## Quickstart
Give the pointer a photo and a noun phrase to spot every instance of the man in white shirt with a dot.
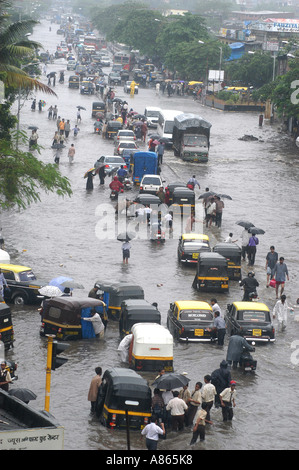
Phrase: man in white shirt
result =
(208, 394)
(177, 408)
(152, 431)
(281, 310)
(215, 306)
(97, 324)
(227, 399)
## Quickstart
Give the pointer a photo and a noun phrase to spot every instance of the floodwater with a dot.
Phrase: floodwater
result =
(57, 237)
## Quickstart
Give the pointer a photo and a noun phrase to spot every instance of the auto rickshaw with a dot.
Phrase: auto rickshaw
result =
(98, 107)
(63, 317)
(114, 293)
(123, 392)
(171, 187)
(151, 348)
(212, 273)
(112, 128)
(74, 81)
(232, 253)
(183, 199)
(6, 327)
(136, 311)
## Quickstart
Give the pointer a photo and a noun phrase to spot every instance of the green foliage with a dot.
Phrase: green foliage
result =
(255, 69)
(22, 176)
(228, 96)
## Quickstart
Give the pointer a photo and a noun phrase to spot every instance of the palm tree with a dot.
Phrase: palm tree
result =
(15, 49)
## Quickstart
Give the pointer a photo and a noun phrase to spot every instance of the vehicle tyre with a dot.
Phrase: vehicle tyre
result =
(19, 299)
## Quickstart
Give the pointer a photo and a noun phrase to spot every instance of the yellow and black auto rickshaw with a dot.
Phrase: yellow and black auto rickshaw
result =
(6, 327)
(212, 273)
(123, 393)
(114, 293)
(98, 107)
(136, 311)
(64, 317)
(183, 201)
(232, 253)
(112, 128)
(74, 81)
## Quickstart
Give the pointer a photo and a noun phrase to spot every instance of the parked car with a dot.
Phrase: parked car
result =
(127, 88)
(124, 144)
(150, 184)
(114, 79)
(125, 134)
(190, 320)
(190, 245)
(252, 320)
(111, 163)
(22, 283)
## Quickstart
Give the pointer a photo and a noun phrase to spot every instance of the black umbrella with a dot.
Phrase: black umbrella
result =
(163, 140)
(245, 223)
(34, 128)
(51, 74)
(154, 136)
(81, 107)
(207, 194)
(23, 394)
(170, 381)
(224, 196)
(256, 230)
(57, 146)
(117, 100)
(126, 236)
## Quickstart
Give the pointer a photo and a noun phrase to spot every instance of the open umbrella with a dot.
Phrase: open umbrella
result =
(256, 230)
(72, 284)
(163, 140)
(117, 100)
(224, 196)
(33, 128)
(81, 107)
(170, 381)
(88, 171)
(62, 282)
(58, 146)
(207, 194)
(23, 394)
(51, 74)
(50, 291)
(100, 115)
(126, 236)
(245, 223)
(154, 136)
(140, 116)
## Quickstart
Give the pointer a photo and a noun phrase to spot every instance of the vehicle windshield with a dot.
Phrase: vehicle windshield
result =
(195, 141)
(193, 315)
(152, 113)
(254, 316)
(125, 133)
(26, 276)
(114, 160)
(168, 128)
(194, 245)
(128, 145)
(151, 180)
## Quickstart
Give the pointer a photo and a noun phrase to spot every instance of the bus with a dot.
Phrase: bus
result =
(166, 123)
(98, 43)
(127, 61)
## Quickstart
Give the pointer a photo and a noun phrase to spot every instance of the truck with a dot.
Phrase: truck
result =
(191, 137)
(143, 163)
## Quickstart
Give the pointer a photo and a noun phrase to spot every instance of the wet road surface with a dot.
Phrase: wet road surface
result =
(57, 237)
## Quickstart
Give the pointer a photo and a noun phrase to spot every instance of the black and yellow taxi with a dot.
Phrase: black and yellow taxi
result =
(190, 245)
(6, 327)
(22, 285)
(212, 273)
(190, 321)
(252, 320)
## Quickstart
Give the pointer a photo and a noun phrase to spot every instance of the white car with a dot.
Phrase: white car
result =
(150, 184)
(127, 88)
(112, 163)
(71, 65)
(124, 144)
(105, 61)
(125, 134)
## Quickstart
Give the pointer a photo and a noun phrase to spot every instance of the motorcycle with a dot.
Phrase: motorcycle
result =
(98, 127)
(114, 194)
(127, 184)
(247, 363)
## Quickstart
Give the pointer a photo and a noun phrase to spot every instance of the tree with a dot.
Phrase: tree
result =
(255, 69)
(22, 175)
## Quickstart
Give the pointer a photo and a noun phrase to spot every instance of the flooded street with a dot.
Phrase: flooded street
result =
(57, 237)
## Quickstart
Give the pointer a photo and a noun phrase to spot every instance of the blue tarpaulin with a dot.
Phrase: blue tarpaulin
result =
(237, 50)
